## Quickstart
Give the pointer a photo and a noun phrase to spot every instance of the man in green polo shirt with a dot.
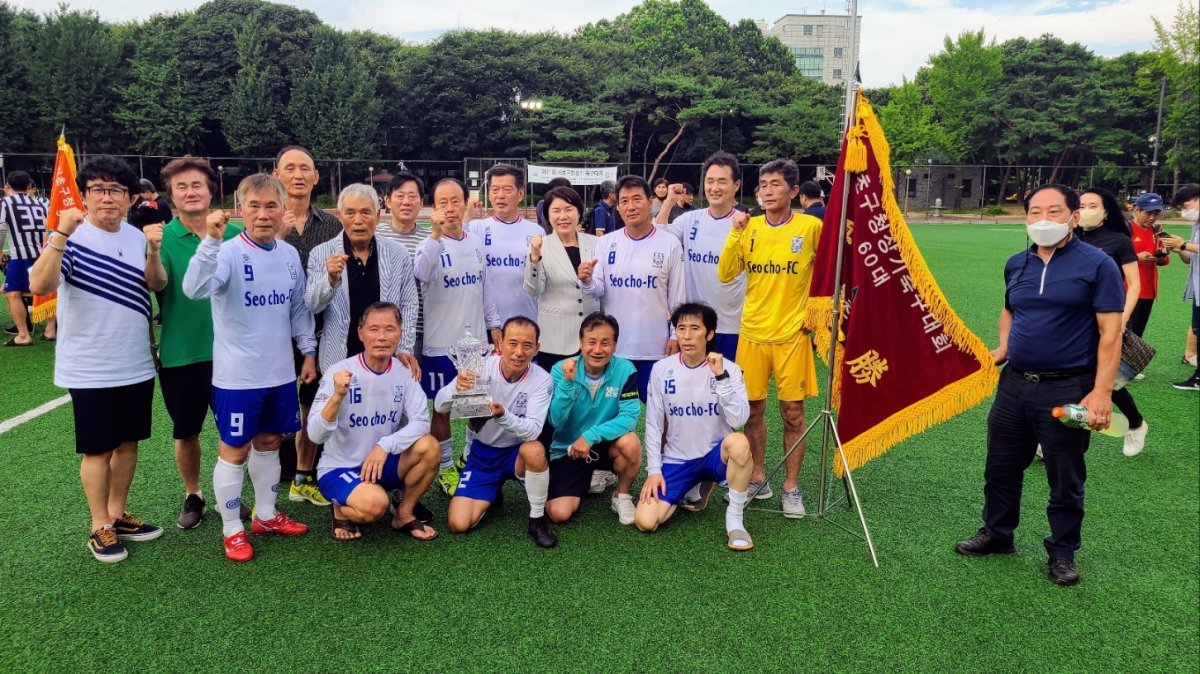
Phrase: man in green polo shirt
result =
(186, 344)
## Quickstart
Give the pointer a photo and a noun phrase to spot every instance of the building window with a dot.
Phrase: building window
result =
(837, 73)
(837, 52)
(808, 29)
(912, 187)
(810, 61)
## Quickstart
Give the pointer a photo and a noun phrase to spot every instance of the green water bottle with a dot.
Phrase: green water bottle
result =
(1076, 416)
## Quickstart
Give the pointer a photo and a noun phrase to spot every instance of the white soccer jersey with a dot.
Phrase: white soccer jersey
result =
(103, 310)
(370, 414)
(506, 252)
(703, 237)
(257, 306)
(454, 290)
(640, 282)
(698, 410)
(526, 402)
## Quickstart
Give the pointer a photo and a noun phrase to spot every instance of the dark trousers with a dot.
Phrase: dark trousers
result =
(1140, 317)
(1020, 419)
(1122, 399)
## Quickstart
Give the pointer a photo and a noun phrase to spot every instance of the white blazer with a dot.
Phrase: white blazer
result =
(561, 303)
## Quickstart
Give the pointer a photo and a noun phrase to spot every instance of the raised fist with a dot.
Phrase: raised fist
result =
(716, 363)
(569, 367)
(437, 220)
(535, 248)
(154, 236)
(740, 218)
(341, 383)
(289, 223)
(334, 267)
(217, 220)
(68, 220)
(585, 270)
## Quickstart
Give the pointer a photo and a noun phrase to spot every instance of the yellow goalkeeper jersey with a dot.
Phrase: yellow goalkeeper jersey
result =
(778, 261)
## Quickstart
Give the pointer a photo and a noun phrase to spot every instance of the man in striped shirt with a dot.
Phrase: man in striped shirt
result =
(24, 217)
(104, 269)
(405, 193)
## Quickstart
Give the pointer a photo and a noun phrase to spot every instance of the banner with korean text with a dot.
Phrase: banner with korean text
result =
(905, 361)
(64, 194)
(542, 174)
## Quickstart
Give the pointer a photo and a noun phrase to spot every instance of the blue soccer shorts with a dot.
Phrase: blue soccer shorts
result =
(242, 414)
(681, 477)
(486, 471)
(337, 483)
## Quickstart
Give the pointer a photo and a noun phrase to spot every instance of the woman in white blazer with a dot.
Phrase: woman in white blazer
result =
(552, 276)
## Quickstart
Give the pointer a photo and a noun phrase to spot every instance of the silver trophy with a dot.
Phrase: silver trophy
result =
(468, 355)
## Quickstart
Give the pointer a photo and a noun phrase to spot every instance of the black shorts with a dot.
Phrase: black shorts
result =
(572, 477)
(308, 392)
(187, 392)
(107, 417)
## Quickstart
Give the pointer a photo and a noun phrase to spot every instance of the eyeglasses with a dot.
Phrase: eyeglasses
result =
(101, 191)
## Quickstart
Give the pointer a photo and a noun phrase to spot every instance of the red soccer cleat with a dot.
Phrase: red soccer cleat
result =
(279, 524)
(238, 548)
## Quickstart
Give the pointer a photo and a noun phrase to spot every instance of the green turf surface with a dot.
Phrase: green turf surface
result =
(609, 598)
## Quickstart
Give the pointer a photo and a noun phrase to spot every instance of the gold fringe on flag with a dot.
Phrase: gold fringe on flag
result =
(44, 310)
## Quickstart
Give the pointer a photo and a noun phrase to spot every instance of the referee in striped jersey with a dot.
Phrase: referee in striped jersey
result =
(24, 217)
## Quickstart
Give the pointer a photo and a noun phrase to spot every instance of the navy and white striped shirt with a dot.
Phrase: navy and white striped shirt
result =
(103, 310)
(25, 218)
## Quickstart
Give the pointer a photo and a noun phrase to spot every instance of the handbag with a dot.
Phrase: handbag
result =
(1136, 355)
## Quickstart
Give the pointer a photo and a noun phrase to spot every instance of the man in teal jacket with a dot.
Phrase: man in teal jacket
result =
(592, 417)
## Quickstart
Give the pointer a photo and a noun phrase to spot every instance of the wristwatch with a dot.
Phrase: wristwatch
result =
(723, 376)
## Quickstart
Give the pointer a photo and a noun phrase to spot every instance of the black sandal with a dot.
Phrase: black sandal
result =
(414, 525)
(344, 525)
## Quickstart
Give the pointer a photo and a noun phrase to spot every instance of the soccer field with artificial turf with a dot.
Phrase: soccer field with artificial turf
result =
(609, 598)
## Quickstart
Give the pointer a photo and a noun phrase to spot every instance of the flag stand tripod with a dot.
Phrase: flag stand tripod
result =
(825, 418)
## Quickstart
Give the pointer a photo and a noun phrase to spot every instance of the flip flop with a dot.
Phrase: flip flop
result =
(14, 342)
(344, 525)
(49, 339)
(739, 535)
(412, 526)
(706, 490)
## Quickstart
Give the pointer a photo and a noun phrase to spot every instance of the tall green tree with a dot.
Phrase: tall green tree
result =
(154, 107)
(253, 116)
(1179, 57)
(18, 32)
(334, 109)
(959, 82)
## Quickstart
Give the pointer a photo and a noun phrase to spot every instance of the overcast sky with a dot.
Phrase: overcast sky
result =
(898, 35)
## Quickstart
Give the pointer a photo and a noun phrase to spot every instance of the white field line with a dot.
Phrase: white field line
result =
(34, 413)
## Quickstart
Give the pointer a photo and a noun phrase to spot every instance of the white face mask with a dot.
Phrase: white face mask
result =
(1192, 214)
(1047, 233)
(1091, 219)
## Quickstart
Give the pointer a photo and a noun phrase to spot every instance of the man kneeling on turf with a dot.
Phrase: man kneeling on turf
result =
(592, 416)
(700, 399)
(371, 416)
(506, 444)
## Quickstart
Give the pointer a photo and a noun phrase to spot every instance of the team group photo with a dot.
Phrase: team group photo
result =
(743, 363)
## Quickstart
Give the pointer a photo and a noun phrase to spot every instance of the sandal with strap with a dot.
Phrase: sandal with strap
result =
(337, 524)
(414, 526)
(739, 540)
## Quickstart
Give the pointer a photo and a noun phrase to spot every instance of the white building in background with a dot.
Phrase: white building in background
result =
(820, 43)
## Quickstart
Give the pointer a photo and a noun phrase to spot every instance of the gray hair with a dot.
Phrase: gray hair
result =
(358, 191)
(260, 182)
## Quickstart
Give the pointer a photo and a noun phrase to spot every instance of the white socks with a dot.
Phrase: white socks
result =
(537, 487)
(447, 454)
(264, 475)
(733, 512)
(227, 488)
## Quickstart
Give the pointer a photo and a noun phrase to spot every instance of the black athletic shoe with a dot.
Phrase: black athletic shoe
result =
(539, 531)
(982, 544)
(105, 546)
(11, 330)
(1062, 571)
(1192, 384)
(193, 512)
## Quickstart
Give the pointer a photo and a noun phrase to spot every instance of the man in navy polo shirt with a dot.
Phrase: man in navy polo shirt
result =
(1060, 333)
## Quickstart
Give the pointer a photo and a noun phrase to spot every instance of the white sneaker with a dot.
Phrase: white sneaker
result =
(764, 493)
(1135, 439)
(793, 504)
(1037, 453)
(601, 481)
(1139, 376)
(622, 505)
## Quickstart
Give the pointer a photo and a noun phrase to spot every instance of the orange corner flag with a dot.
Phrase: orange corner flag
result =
(64, 194)
(904, 359)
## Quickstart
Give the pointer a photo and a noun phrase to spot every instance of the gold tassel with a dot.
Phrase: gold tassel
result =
(44, 311)
(856, 150)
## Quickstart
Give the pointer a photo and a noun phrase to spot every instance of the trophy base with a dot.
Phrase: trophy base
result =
(470, 406)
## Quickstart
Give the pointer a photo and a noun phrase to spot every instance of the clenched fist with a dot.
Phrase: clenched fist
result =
(740, 218)
(716, 363)
(217, 220)
(334, 266)
(154, 236)
(341, 383)
(586, 269)
(289, 223)
(569, 368)
(68, 220)
(535, 249)
(437, 221)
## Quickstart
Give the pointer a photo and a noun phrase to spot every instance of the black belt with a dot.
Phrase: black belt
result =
(1036, 377)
